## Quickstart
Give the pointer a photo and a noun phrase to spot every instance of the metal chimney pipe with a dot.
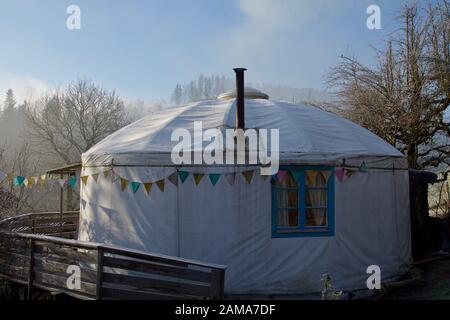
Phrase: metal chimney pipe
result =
(240, 103)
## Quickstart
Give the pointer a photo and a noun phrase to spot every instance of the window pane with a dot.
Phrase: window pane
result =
(293, 199)
(287, 218)
(315, 178)
(316, 198)
(287, 199)
(316, 217)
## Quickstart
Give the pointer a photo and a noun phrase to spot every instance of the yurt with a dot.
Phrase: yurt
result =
(338, 204)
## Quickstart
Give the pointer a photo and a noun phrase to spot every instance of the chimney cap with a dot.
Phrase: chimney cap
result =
(249, 93)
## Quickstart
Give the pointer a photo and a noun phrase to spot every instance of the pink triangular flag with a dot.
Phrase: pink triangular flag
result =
(282, 174)
(231, 177)
(339, 172)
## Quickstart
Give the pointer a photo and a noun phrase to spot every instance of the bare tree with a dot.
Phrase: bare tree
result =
(72, 120)
(403, 98)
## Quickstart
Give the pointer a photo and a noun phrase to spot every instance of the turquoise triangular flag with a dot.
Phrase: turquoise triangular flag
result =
(363, 167)
(18, 180)
(72, 181)
(183, 175)
(135, 186)
(214, 177)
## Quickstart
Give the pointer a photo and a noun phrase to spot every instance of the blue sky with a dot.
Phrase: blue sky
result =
(143, 48)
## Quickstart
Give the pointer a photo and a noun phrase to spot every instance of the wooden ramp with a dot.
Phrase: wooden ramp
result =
(38, 250)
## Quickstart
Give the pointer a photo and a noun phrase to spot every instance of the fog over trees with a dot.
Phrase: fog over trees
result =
(209, 87)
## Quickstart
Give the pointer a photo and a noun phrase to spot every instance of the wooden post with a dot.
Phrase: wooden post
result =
(30, 271)
(99, 281)
(217, 284)
(61, 200)
(33, 223)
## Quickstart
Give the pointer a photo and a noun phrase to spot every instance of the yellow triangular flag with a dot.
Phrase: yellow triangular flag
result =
(95, 177)
(106, 173)
(123, 184)
(147, 187)
(349, 172)
(9, 177)
(248, 175)
(30, 182)
(160, 185)
(326, 175)
(84, 179)
(311, 177)
(198, 177)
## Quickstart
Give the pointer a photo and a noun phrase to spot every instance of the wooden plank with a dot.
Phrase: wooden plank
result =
(156, 268)
(65, 254)
(68, 235)
(59, 268)
(54, 228)
(99, 280)
(30, 269)
(54, 240)
(166, 286)
(158, 257)
(77, 295)
(21, 271)
(60, 282)
(13, 258)
(44, 220)
(126, 293)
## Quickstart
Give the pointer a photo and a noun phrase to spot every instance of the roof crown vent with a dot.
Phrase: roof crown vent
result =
(249, 93)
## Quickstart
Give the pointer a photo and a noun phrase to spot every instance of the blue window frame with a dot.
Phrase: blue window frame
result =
(303, 202)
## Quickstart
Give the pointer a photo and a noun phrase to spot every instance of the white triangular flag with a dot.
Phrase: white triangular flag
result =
(61, 182)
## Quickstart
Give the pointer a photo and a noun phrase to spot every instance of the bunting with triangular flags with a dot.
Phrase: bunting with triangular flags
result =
(95, 177)
(339, 172)
(147, 187)
(183, 176)
(135, 186)
(349, 172)
(282, 174)
(363, 167)
(29, 182)
(61, 182)
(198, 177)
(248, 175)
(84, 179)
(10, 177)
(72, 181)
(42, 179)
(18, 180)
(160, 185)
(231, 178)
(173, 178)
(214, 177)
(123, 184)
(106, 173)
(310, 177)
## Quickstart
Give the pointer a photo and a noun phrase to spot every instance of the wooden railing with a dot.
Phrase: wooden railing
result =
(63, 225)
(106, 272)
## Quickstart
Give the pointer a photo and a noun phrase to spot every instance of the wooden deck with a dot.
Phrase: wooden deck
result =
(37, 250)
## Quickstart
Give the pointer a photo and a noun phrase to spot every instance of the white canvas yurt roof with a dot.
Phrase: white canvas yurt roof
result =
(307, 134)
